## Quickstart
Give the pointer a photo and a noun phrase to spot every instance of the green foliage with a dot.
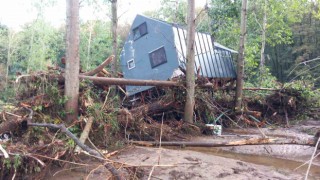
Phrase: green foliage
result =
(307, 90)
(281, 16)
(70, 143)
(17, 161)
(8, 94)
(95, 43)
(7, 163)
(14, 162)
(171, 11)
(75, 130)
(40, 46)
(57, 99)
(4, 31)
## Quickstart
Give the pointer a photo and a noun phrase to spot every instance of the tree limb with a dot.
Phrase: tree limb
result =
(85, 133)
(100, 67)
(93, 152)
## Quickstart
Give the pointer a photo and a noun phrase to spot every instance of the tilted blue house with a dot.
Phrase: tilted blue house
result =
(156, 50)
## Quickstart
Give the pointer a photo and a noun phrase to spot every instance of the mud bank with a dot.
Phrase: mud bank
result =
(162, 163)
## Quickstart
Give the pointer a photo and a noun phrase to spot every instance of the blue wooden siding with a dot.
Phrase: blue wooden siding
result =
(159, 35)
(213, 59)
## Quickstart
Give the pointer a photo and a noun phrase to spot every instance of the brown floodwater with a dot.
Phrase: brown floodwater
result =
(277, 163)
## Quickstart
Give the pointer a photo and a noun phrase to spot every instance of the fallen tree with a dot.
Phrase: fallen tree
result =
(251, 141)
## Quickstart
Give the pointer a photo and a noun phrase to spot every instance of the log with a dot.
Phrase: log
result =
(155, 107)
(260, 89)
(131, 82)
(85, 133)
(252, 141)
(140, 82)
(100, 67)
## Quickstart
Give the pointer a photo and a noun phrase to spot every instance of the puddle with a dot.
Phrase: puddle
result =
(277, 163)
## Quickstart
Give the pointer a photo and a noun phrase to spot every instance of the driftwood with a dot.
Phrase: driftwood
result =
(93, 152)
(252, 141)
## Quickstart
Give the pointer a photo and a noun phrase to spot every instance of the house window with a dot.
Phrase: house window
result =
(131, 64)
(140, 31)
(158, 57)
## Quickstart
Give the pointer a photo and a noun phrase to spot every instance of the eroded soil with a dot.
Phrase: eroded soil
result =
(162, 163)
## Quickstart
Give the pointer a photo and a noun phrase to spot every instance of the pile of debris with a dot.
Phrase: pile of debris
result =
(150, 115)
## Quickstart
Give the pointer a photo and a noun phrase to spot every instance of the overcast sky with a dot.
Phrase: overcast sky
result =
(15, 13)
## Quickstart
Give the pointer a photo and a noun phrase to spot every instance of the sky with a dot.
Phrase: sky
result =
(15, 13)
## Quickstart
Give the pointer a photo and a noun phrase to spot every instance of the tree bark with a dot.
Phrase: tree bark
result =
(99, 68)
(190, 74)
(72, 61)
(132, 82)
(240, 63)
(153, 108)
(85, 133)
(114, 64)
(91, 27)
(263, 41)
(8, 58)
(252, 141)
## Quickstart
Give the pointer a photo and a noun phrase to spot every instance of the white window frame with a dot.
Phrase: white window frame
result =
(131, 61)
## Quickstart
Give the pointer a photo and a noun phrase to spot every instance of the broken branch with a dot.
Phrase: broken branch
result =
(100, 67)
(85, 133)
(93, 152)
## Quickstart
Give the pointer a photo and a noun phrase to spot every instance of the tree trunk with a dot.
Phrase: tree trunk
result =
(240, 63)
(8, 58)
(30, 50)
(114, 64)
(224, 143)
(190, 75)
(91, 26)
(263, 41)
(72, 61)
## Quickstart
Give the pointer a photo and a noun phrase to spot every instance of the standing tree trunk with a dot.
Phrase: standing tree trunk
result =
(263, 41)
(240, 63)
(114, 64)
(72, 61)
(8, 58)
(190, 75)
(91, 27)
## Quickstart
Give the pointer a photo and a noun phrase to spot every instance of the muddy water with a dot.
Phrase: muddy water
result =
(261, 160)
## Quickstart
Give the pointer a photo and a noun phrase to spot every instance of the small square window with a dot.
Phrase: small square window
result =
(158, 57)
(131, 64)
(140, 31)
